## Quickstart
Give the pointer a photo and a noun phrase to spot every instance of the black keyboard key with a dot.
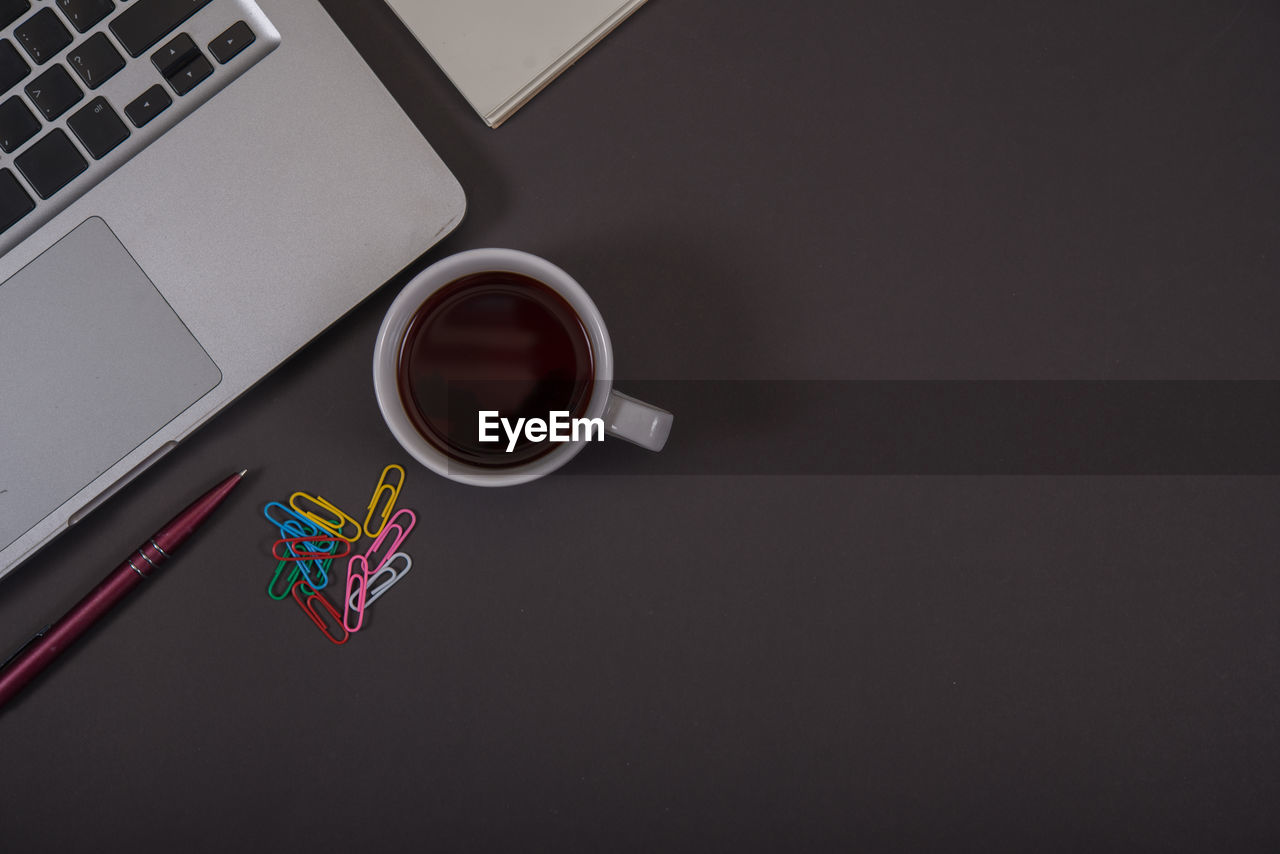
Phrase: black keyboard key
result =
(12, 66)
(42, 36)
(236, 38)
(83, 14)
(147, 21)
(17, 124)
(11, 10)
(51, 163)
(148, 105)
(177, 53)
(54, 92)
(98, 127)
(191, 74)
(96, 60)
(15, 203)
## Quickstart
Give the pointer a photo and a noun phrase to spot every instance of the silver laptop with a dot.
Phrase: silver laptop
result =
(190, 190)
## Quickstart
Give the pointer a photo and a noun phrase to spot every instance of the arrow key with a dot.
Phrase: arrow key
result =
(236, 38)
(148, 105)
(174, 55)
(186, 78)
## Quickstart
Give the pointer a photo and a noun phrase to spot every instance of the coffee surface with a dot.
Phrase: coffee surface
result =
(492, 341)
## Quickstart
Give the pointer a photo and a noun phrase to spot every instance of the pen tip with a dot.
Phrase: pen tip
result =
(243, 472)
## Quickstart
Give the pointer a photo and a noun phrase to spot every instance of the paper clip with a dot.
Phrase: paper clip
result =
(294, 552)
(315, 572)
(291, 525)
(395, 531)
(371, 592)
(295, 571)
(357, 589)
(334, 524)
(305, 597)
(377, 496)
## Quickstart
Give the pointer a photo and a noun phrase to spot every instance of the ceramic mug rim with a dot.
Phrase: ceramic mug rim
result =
(386, 353)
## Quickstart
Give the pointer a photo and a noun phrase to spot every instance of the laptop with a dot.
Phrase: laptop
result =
(190, 190)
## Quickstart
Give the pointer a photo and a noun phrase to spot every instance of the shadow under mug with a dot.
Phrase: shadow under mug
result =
(623, 416)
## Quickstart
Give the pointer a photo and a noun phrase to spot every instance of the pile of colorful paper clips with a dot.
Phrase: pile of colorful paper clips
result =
(314, 533)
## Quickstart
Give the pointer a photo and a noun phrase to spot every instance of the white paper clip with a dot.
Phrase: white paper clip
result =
(372, 591)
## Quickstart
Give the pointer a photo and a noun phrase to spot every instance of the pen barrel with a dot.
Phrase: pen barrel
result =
(62, 634)
(45, 647)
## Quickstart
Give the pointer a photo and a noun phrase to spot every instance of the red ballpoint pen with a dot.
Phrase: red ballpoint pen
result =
(49, 643)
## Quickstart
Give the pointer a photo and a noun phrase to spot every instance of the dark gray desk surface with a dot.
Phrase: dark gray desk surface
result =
(723, 661)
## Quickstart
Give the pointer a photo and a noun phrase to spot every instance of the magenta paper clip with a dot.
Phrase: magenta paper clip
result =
(295, 548)
(357, 589)
(389, 541)
(389, 569)
(307, 599)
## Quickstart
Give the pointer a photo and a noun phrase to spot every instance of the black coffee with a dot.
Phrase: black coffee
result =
(492, 341)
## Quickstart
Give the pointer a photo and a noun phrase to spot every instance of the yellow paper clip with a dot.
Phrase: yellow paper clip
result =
(377, 496)
(335, 522)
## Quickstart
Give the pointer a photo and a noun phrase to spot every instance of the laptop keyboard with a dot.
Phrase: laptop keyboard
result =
(87, 84)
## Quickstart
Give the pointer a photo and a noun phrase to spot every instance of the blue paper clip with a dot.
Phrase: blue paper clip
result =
(315, 572)
(335, 522)
(357, 588)
(390, 503)
(291, 524)
(388, 567)
(307, 598)
(394, 532)
(289, 579)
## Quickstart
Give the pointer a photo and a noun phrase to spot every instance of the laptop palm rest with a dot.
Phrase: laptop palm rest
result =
(83, 320)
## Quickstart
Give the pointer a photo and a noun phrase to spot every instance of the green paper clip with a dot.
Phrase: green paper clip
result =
(296, 571)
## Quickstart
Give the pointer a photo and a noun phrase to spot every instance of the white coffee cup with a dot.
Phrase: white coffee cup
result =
(623, 416)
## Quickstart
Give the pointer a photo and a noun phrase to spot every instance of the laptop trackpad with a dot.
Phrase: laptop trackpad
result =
(92, 362)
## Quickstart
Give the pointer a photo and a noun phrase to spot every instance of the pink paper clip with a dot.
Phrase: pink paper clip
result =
(306, 597)
(357, 590)
(389, 541)
(290, 546)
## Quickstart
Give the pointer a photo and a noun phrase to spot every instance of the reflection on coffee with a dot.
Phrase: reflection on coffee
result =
(492, 341)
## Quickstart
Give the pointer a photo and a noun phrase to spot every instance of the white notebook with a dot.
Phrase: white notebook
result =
(500, 53)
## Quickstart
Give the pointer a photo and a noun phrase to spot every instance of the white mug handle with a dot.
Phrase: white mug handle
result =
(636, 421)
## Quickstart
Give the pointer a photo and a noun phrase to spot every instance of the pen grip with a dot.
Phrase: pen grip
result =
(71, 626)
